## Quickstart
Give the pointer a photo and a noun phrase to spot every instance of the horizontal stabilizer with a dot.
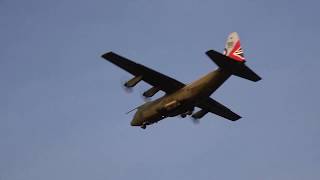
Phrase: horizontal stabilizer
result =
(235, 67)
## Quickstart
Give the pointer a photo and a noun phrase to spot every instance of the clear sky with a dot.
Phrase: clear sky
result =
(62, 110)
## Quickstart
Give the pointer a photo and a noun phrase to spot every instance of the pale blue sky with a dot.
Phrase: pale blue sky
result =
(62, 110)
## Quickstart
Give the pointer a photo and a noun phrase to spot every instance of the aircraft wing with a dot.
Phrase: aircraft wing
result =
(152, 77)
(215, 107)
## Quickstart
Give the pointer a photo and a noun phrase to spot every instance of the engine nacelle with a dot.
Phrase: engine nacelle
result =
(151, 92)
(132, 82)
(200, 114)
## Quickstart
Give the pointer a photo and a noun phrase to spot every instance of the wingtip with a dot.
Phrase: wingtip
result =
(257, 79)
(107, 55)
(210, 51)
(236, 118)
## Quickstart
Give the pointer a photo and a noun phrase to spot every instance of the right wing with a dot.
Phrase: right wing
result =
(215, 107)
(152, 77)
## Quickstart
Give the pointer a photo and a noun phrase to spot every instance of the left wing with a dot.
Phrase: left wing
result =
(152, 77)
(215, 107)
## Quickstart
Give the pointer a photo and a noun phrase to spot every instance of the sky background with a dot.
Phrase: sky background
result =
(62, 108)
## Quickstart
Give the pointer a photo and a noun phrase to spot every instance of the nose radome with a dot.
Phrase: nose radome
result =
(135, 122)
(137, 119)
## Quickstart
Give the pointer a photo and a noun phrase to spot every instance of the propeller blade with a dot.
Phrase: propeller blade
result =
(195, 121)
(123, 81)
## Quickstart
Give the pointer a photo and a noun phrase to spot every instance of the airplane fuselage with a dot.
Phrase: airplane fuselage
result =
(181, 102)
(181, 99)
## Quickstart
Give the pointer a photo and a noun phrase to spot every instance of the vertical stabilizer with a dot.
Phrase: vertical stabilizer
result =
(233, 48)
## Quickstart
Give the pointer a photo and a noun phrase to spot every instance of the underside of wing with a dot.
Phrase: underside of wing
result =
(152, 77)
(215, 107)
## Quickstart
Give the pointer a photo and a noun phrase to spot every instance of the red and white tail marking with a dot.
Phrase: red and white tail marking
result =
(233, 48)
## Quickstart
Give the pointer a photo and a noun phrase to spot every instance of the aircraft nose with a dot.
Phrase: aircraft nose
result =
(137, 119)
(135, 122)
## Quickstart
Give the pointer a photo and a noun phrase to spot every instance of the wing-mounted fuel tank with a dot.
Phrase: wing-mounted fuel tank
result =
(132, 82)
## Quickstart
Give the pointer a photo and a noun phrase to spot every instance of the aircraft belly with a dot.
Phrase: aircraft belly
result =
(152, 116)
(185, 99)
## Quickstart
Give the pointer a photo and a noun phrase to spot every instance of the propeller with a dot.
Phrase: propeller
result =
(123, 81)
(198, 115)
(144, 98)
(195, 120)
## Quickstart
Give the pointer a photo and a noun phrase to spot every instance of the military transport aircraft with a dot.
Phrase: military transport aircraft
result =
(181, 99)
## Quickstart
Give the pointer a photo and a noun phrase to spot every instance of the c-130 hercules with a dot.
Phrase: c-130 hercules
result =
(181, 99)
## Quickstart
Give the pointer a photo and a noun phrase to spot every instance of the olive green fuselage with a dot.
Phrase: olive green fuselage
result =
(182, 101)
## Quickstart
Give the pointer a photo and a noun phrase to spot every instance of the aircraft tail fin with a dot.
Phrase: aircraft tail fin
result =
(233, 59)
(233, 48)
